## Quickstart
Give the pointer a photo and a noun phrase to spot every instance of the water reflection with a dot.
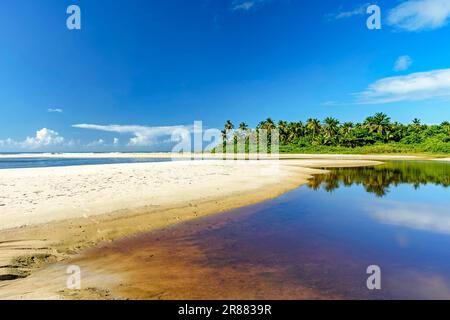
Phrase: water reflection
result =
(379, 179)
(432, 218)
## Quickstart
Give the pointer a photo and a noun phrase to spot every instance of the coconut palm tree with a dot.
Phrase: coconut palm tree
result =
(346, 136)
(267, 124)
(296, 131)
(227, 128)
(243, 126)
(379, 124)
(347, 127)
(330, 129)
(283, 132)
(445, 126)
(313, 126)
(415, 127)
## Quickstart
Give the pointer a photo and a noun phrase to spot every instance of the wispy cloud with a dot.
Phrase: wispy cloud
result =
(412, 87)
(246, 5)
(142, 135)
(417, 15)
(403, 63)
(332, 103)
(343, 14)
(57, 110)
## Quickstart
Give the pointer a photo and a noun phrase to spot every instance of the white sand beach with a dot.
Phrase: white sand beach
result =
(40, 195)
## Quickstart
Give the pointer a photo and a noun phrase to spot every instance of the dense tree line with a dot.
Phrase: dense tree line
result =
(374, 130)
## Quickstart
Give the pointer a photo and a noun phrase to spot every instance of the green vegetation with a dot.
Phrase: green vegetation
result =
(379, 179)
(377, 134)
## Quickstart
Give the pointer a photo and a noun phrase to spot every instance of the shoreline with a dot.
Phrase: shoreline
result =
(52, 243)
(171, 155)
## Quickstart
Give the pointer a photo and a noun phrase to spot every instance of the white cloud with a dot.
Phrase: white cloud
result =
(246, 5)
(142, 135)
(96, 143)
(42, 139)
(57, 110)
(403, 63)
(415, 86)
(417, 15)
(115, 141)
(7, 142)
(356, 11)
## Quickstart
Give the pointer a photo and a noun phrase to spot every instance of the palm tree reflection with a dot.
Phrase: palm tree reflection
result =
(379, 179)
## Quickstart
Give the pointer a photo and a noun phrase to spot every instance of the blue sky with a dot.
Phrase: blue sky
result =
(138, 67)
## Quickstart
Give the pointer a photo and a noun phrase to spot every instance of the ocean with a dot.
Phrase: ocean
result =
(41, 162)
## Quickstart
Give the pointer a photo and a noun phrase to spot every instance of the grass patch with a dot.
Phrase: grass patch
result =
(435, 149)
